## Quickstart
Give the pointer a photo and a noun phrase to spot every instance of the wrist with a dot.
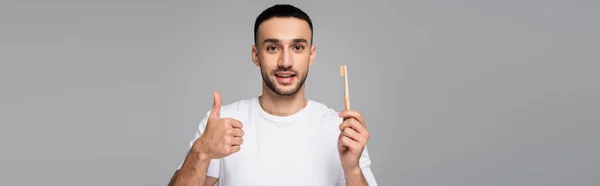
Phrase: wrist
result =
(352, 170)
(200, 151)
(354, 176)
(200, 156)
(197, 160)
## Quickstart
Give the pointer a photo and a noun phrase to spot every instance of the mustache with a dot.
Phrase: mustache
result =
(285, 70)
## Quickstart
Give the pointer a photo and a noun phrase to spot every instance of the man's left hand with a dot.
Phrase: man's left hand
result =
(352, 140)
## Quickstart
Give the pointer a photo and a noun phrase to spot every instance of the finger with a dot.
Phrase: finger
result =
(354, 124)
(237, 141)
(346, 123)
(351, 144)
(236, 123)
(238, 132)
(340, 144)
(234, 149)
(216, 108)
(352, 114)
(352, 134)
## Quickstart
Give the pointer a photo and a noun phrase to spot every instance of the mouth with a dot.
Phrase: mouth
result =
(285, 77)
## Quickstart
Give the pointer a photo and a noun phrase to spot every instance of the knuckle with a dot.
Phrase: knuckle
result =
(363, 140)
(355, 122)
(350, 131)
(347, 140)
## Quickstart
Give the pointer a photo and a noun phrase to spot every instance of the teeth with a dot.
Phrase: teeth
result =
(284, 75)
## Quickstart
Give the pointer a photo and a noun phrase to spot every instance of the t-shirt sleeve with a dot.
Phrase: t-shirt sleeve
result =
(214, 166)
(365, 166)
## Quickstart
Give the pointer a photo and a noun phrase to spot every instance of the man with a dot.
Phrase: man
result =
(280, 137)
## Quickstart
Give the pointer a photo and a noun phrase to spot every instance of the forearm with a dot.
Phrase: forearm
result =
(192, 172)
(355, 177)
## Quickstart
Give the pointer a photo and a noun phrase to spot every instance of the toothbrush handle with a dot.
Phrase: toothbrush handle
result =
(346, 90)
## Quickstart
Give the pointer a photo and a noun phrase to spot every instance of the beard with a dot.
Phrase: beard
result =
(271, 84)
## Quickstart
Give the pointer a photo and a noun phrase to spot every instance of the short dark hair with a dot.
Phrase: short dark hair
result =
(282, 11)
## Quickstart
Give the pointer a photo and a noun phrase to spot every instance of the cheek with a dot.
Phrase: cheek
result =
(302, 60)
(268, 60)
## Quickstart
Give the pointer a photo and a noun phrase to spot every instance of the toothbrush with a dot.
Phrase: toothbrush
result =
(344, 74)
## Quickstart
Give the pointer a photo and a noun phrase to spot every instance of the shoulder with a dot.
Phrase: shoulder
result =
(238, 107)
(326, 114)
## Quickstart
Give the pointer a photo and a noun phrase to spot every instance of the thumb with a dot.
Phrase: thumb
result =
(216, 109)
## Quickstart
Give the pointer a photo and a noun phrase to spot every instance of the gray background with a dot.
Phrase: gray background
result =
(454, 93)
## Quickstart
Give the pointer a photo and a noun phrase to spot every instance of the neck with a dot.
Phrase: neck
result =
(282, 105)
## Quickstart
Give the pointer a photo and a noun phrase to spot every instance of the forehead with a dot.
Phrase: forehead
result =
(284, 29)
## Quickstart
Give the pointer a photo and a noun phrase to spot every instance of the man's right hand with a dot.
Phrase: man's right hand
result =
(221, 136)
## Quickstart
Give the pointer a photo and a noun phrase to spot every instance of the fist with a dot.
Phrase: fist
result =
(352, 139)
(222, 136)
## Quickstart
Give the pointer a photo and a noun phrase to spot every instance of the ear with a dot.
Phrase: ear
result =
(313, 53)
(255, 56)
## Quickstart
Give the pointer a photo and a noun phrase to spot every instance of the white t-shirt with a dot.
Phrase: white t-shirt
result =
(300, 149)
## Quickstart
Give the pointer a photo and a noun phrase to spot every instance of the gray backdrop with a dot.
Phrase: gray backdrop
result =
(454, 93)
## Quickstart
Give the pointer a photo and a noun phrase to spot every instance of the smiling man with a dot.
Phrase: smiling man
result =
(279, 137)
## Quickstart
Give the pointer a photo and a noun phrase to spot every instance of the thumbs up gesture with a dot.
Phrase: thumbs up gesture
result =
(222, 136)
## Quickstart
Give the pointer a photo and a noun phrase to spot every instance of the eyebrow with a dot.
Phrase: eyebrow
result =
(300, 40)
(271, 40)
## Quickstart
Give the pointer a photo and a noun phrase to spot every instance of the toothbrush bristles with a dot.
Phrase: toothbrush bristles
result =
(342, 71)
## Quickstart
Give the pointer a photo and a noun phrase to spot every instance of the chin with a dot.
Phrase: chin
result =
(286, 92)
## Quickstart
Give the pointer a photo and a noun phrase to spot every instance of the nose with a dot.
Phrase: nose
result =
(286, 60)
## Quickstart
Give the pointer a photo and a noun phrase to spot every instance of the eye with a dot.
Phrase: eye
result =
(299, 47)
(272, 48)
